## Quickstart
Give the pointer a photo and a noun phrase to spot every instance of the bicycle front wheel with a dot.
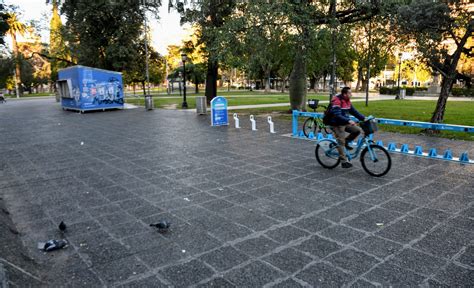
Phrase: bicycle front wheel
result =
(327, 154)
(309, 126)
(375, 160)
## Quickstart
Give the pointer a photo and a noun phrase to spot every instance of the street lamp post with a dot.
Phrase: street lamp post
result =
(399, 73)
(184, 57)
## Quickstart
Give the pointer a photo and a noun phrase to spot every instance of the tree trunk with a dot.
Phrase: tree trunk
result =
(449, 77)
(18, 88)
(298, 83)
(364, 84)
(143, 87)
(196, 86)
(324, 82)
(438, 114)
(359, 79)
(267, 80)
(211, 80)
(312, 83)
(283, 84)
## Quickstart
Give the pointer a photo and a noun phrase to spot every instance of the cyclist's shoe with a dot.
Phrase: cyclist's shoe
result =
(346, 165)
(349, 147)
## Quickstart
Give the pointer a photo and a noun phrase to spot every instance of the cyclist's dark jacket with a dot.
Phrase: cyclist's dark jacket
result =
(340, 108)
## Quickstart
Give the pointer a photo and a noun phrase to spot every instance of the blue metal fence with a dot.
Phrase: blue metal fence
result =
(392, 147)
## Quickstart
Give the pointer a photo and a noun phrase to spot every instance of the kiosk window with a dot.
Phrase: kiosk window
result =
(64, 88)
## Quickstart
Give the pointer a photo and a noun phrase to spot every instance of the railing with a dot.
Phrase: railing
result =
(393, 147)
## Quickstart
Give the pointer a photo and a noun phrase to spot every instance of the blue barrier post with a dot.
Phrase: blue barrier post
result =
(311, 135)
(433, 153)
(392, 147)
(295, 122)
(404, 148)
(464, 157)
(448, 155)
(418, 150)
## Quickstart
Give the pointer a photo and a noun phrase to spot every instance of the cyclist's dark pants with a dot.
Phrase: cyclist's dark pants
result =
(340, 132)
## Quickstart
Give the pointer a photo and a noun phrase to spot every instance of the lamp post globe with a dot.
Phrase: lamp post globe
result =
(184, 57)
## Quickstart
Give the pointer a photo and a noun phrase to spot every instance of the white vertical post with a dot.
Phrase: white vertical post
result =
(272, 126)
(254, 123)
(237, 121)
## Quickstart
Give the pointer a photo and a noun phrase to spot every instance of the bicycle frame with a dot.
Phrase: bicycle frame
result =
(366, 141)
(361, 145)
(319, 122)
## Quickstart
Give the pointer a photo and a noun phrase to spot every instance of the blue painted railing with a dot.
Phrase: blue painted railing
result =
(395, 122)
(392, 147)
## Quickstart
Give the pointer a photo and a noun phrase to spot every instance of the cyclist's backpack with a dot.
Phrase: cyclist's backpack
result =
(327, 115)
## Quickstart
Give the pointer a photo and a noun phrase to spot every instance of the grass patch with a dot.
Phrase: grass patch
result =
(46, 94)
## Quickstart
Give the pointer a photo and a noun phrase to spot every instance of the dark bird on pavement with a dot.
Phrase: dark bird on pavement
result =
(162, 225)
(62, 226)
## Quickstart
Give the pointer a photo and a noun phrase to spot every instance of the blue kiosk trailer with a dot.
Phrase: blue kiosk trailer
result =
(84, 88)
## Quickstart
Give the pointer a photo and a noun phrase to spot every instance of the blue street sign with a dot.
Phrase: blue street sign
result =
(219, 111)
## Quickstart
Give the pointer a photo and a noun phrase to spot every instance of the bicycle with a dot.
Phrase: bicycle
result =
(372, 154)
(314, 124)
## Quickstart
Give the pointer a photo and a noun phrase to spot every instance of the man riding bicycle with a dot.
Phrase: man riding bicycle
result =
(340, 122)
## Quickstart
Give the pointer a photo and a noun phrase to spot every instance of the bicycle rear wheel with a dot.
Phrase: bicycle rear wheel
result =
(326, 153)
(375, 160)
(323, 130)
(309, 126)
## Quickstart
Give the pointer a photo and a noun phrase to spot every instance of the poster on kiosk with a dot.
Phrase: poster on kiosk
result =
(219, 111)
(84, 88)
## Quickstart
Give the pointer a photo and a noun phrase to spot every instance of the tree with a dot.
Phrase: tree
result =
(209, 16)
(6, 71)
(380, 48)
(16, 27)
(3, 23)
(195, 73)
(35, 70)
(441, 32)
(320, 56)
(136, 70)
(300, 21)
(104, 34)
(57, 46)
(248, 43)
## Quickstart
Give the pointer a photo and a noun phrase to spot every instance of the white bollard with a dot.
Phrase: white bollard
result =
(272, 126)
(254, 123)
(236, 119)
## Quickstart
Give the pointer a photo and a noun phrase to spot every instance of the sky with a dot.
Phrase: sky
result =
(165, 32)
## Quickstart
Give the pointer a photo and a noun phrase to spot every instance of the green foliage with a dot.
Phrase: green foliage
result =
(57, 46)
(432, 24)
(410, 91)
(136, 71)
(105, 34)
(463, 92)
(261, 49)
(195, 73)
(3, 23)
(7, 65)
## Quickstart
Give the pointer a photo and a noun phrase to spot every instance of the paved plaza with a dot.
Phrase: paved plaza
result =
(248, 209)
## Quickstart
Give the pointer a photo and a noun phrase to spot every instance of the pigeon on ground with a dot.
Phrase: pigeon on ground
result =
(162, 225)
(62, 226)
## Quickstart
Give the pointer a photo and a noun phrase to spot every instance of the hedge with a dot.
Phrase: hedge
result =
(456, 92)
